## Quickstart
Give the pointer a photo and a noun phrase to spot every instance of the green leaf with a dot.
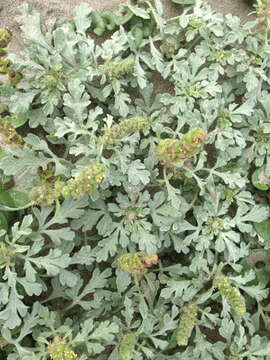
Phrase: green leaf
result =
(65, 41)
(6, 198)
(123, 280)
(20, 102)
(36, 117)
(77, 100)
(257, 292)
(137, 173)
(23, 228)
(6, 90)
(260, 180)
(22, 162)
(138, 11)
(121, 103)
(157, 57)
(81, 17)
(53, 262)
(31, 287)
(263, 229)
(227, 328)
(98, 281)
(16, 121)
(84, 256)
(244, 214)
(41, 145)
(30, 26)
(105, 331)
(59, 235)
(146, 241)
(231, 179)
(68, 278)
(3, 222)
(19, 198)
(175, 288)
(14, 308)
(173, 196)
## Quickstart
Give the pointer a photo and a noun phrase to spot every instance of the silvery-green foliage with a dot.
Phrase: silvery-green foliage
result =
(60, 275)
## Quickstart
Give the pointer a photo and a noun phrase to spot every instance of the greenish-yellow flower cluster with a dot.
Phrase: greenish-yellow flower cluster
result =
(263, 13)
(44, 194)
(186, 324)
(231, 293)
(52, 189)
(9, 135)
(7, 253)
(123, 129)
(171, 151)
(14, 77)
(5, 64)
(60, 350)
(5, 37)
(84, 183)
(117, 69)
(136, 264)
(127, 345)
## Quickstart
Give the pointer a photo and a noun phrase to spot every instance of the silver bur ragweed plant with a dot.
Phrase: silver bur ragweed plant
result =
(134, 197)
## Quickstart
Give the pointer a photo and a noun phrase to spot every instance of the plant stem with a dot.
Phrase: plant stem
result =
(7, 208)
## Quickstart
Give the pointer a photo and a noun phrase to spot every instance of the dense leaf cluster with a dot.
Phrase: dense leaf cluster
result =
(137, 229)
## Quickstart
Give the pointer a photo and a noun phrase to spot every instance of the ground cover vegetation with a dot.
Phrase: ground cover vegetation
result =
(135, 222)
